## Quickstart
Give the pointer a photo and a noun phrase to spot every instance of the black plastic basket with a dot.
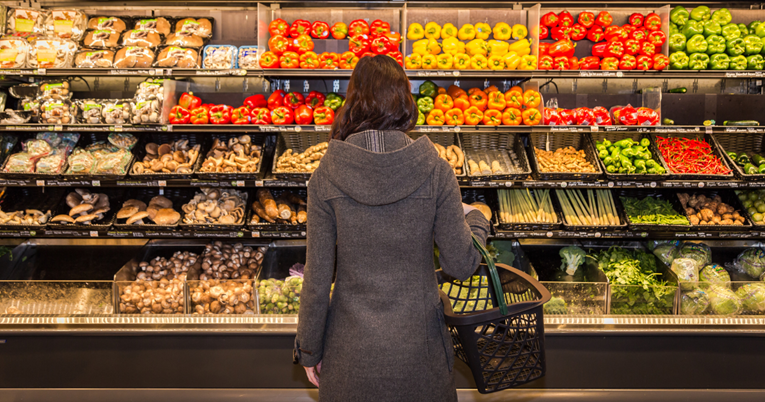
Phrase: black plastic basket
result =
(696, 176)
(503, 351)
(728, 197)
(257, 140)
(213, 226)
(530, 226)
(116, 197)
(504, 144)
(90, 138)
(444, 140)
(167, 138)
(298, 142)
(553, 141)
(19, 147)
(619, 213)
(177, 195)
(23, 198)
(749, 143)
(267, 226)
(615, 136)
(658, 194)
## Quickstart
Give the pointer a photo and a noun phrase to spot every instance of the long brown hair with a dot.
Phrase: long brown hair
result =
(378, 98)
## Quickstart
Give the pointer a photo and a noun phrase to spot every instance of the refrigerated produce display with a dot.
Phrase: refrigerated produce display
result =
(154, 163)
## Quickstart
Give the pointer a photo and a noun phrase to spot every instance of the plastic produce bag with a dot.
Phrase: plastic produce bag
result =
(724, 301)
(133, 57)
(25, 22)
(57, 112)
(219, 57)
(116, 112)
(122, 140)
(752, 296)
(751, 262)
(715, 275)
(15, 116)
(13, 52)
(665, 252)
(177, 57)
(145, 111)
(55, 90)
(81, 162)
(699, 252)
(66, 24)
(19, 163)
(248, 57)
(694, 302)
(687, 272)
(150, 89)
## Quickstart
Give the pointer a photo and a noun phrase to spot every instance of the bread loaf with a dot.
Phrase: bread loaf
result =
(102, 38)
(141, 37)
(178, 57)
(110, 23)
(200, 26)
(159, 25)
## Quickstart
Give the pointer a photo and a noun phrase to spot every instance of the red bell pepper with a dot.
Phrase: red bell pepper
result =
(586, 19)
(626, 115)
(269, 60)
(380, 45)
(544, 48)
(559, 33)
(240, 115)
(279, 44)
(339, 30)
(584, 116)
(188, 101)
(323, 116)
(303, 43)
(565, 19)
(647, 49)
(599, 49)
(315, 98)
(657, 38)
(348, 61)
(614, 49)
(378, 28)
(276, 99)
(647, 117)
(609, 63)
(550, 117)
(573, 63)
(549, 20)
(644, 63)
(589, 63)
(394, 38)
(602, 117)
(289, 60)
(615, 33)
(320, 30)
(207, 106)
(309, 60)
(563, 47)
(255, 101)
(220, 114)
(358, 44)
(596, 34)
(303, 115)
(628, 29)
(652, 22)
(545, 63)
(398, 56)
(544, 32)
(561, 63)
(578, 32)
(660, 62)
(300, 27)
(604, 19)
(293, 100)
(369, 54)
(639, 34)
(278, 27)
(179, 115)
(636, 20)
(631, 46)
(358, 27)
(628, 62)
(329, 60)
(567, 117)
(282, 115)
(200, 115)
(260, 116)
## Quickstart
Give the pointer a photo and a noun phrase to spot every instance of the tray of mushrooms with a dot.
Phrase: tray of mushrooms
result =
(83, 208)
(27, 208)
(297, 162)
(215, 208)
(277, 209)
(175, 159)
(232, 156)
(158, 213)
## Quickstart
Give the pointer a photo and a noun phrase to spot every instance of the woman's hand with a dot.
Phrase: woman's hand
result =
(313, 374)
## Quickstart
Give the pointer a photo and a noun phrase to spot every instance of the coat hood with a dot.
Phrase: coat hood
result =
(379, 178)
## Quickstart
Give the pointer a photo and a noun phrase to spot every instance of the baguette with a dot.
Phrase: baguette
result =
(285, 210)
(292, 198)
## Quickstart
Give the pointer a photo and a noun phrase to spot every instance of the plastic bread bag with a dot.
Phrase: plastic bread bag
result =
(141, 37)
(66, 24)
(133, 57)
(185, 39)
(751, 262)
(202, 27)
(145, 111)
(687, 271)
(113, 162)
(219, 57)
(114, 24)
(54, 90)
(94, 58)
(81, 161)
(13, 52)
(116, 112)
(248, 57)
(25, 22)
(152, 88)
(158, 24)
(177, 57)
(19, 163)
(102, 39)
(122, 140)
(89, 111)
(57, 112)
(51, 53)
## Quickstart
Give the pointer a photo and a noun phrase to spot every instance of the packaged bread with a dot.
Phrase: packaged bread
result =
(199, 26)
(25, 21)
(113, 24)
(159, 25)
(13, 52)
(178, 57)
(102, 38)
(185, 39)
(248, 57)
(141, 37)
(133, 57)
(67, 24)
(219, 56)
(51, 53)
(94, 58)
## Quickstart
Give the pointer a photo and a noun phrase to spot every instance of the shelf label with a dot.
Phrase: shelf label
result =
(597, 74)
(162, 183)
(255, 234)
(322, 128)
(238, 183)
(96, 183)
(437, 73)
(40, 183)
(93, 233)
(258, 183)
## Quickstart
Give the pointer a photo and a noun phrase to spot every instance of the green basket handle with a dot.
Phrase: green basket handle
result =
(494, 275)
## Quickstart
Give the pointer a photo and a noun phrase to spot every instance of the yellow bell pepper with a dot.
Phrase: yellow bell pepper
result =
(452, 46)
(467, 32)
(429, 62)
(413, 61)
(520, 31)
(445, 61)
(482, 30)
(519, 45)
(426, 46)
(496, 63)
(479, 62)
(433, 46)
(432, 30)
(462, 61)
(448, 31)
(528, 63)
(512, 61)
(498, 47)
(502, 31)
(477, 46)
(415, 31)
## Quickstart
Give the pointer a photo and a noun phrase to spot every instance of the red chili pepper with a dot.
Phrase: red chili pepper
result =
(685, 155)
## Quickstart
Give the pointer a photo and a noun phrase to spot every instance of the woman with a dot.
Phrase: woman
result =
(382, 199)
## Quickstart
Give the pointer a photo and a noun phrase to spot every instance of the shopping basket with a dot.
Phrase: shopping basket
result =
(495, 319)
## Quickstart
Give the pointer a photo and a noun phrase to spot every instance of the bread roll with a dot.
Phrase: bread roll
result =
(178, 57)
(92, 58)
(184, 39)
(110, 23)
(201, 26)
(159, 25)
(133, 57)
(102, 38)
(141, 37)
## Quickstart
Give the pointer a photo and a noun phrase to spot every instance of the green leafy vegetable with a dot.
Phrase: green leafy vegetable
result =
(556, 305)
(571, 258)
(652, 210)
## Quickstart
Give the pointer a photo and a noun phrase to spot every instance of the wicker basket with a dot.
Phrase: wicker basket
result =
(730, 198)
(619, 214)
(297, 142)
(444, 140)
(497, 146)
(168, 138)
(697, 176)
(116, 198)
(749, 143)
(257, 140)
(553, 141)
(615, 136)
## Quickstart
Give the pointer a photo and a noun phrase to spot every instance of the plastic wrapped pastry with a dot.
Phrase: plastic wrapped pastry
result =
(66, 24)
(94, 58)
(159, 25)
(51, 53)
(133, 57)
(219, 57)
(102, 38)
(200, 26)
(177, 57)
(25, 22)
(13, 52)
(141, 37)
(113, 24)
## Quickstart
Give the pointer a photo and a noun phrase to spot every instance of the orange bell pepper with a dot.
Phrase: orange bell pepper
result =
(473, 116)
(441, 90)
(455, 91)
(444, 102)
(492, 117)
(512, 117)
(474, 89)
(479, 99)
(496, 101)
(514, 98)
(531, 98)
(462, 102)
(435, 118)
(517, 88)
(531, 117)
(454, 117)
(491, 89)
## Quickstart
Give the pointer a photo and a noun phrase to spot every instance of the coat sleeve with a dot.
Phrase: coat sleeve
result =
(319, 268)
(457, 256)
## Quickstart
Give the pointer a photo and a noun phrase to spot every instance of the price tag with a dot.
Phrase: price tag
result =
(619, 74)
(255, 234)
(298, 129)
(93, 233)
(335, 85)
(653, 184)
(40, 71)
(708, 129)
(96, 183)
(40, 183)
(610, 184)
(258, 183)
(306, 87)
(508, 184)
(286, 85)
(456, 73)
(167, 128)
(58, 128)
(456, 83)
(701, 184)
(162, 183)
(238, 183)
(118, 128)
(594, 129)
(549, 234)
(564, 184)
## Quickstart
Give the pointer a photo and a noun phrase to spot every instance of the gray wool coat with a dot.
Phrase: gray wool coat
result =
(382, 335)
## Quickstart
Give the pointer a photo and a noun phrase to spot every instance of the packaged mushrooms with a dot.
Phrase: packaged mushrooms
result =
(133, 57)
(86, 208)
(13, 52)
(176, 157)
(248, 57)
(177, 57)
(200, 26)
(94, 58)
(304, 162)
(215, 207)
(51, 53)
(55, 90)
(141, 37)
(102, 38)
(219, 56)
(159, 211)
(286, 208)
(237, 155)
(114, 24)
(159, 25)
(25, 21)
(145, 111)
(90, 111)
(116, 112)
(56, 112)
(66, 24)
(703, 210)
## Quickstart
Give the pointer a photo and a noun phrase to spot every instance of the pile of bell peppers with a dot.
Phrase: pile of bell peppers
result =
(279, 108)
(291, 46)
(455, 107)
(705, 40)
(635, 45)
(471, 47)
(600, 116)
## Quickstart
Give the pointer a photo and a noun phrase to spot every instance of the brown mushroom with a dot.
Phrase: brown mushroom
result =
(79, 209)
(73, 200)
(161, 201)
(137, 218)
(152, 148)
(86, 218)
(62, 218)
(166, 216)
(127, 212)
(165, 149)
(135, 203)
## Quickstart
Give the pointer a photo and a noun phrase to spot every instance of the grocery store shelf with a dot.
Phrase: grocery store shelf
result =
(745, 233)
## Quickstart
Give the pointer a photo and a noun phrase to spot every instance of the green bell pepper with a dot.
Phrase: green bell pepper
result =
(692, 28)
(678, 61)
(716, 44)
(699, 61)
(752, 44)
(731, 31)
(744, 30)
(735, 47)
(679, 15)
(719, 62)
(760, 30)
(755, 62)
(677, 42)
(722, 16)
(428, 88)
(333, 101)
(752, 26)
(696, 44)
(738, 62)
(425, 104)
(701, 13)
(420, 118)
(673, 29)
(712, 27)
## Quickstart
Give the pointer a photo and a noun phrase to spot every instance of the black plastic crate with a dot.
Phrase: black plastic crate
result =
(553, 141)
(444, 140)
(88, 139)
(619, 213)
(615, 136)
(22, 137)
(23, 198)
(668, 195)
(176, 195)
(267, 226)
(504, 144)
(529, 226)
(257, 140)
(728, 197)
(116, 198)
(749, 143)
(297, 142)
(695, 176)
(212, 226)
(168, 138)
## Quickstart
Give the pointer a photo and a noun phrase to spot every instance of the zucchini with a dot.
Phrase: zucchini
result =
(668, 122)
(741, 123)
(680, 90)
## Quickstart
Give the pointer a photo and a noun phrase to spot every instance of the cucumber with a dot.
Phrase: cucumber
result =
(680, 90)
(741, 123)
(668, 122)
